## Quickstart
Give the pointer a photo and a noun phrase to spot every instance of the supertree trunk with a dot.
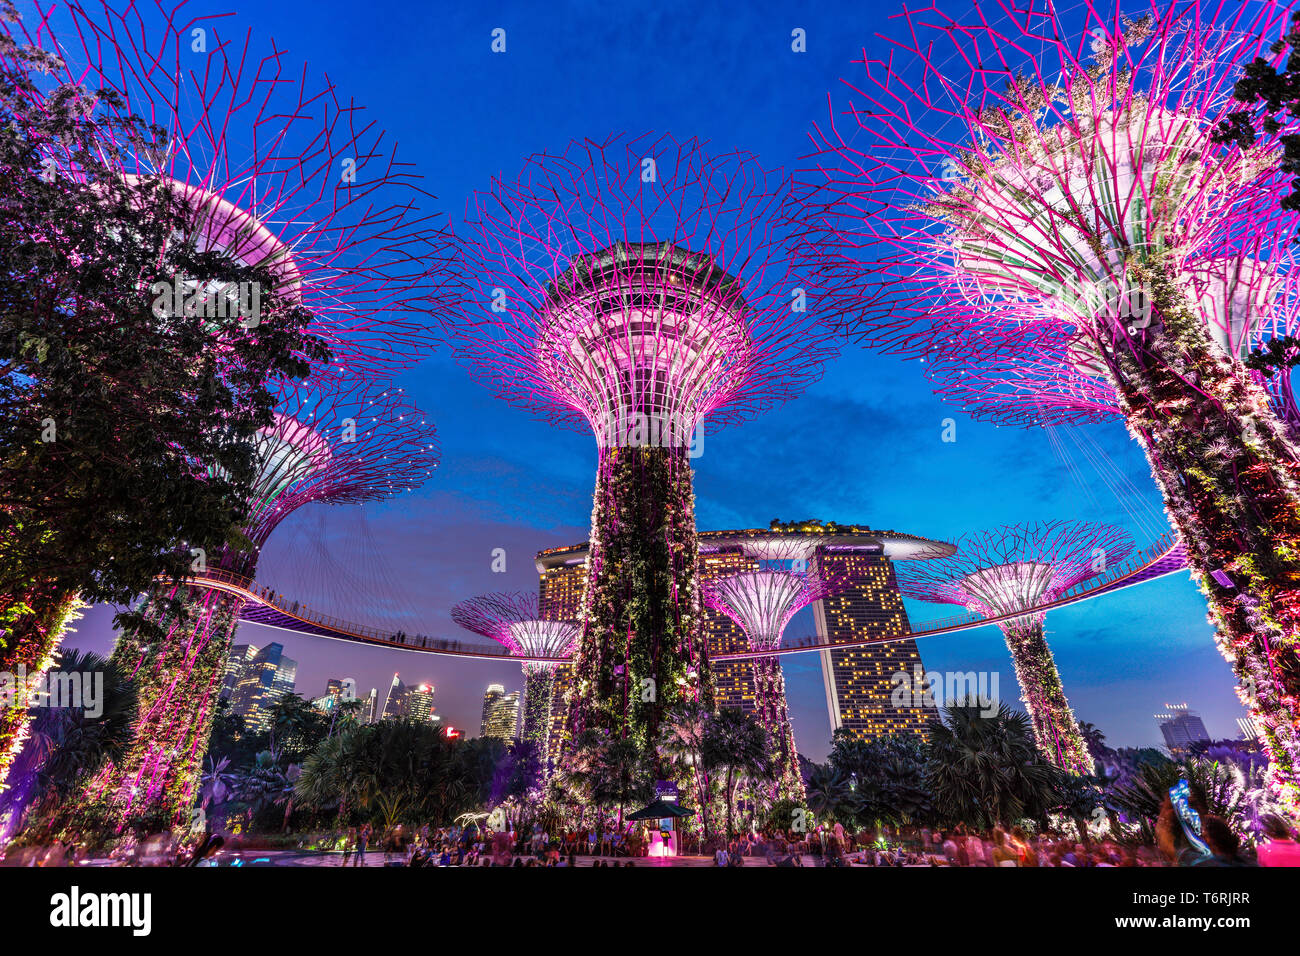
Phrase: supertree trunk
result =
(642, 649)
(1055, 730)
(33, 627)
(774, 715)
(1231, 486)
(539, 687)
(178, 680)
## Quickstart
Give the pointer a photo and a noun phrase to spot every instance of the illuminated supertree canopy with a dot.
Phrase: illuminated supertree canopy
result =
(1067, 167)
(641, 286)
(789, 577)
(274, 169)
(1021, 568)
(1040, 371)
(514, 621)
(335, 442)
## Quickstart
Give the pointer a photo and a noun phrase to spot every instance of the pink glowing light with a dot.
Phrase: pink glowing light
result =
(640, 280)
(513, 621)
(1016, 567)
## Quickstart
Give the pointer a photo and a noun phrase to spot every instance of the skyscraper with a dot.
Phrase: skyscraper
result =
(408, 701)
(1181, 728)
(336, 692)
(419, 703)
(237, 661)
(859, 681)
(264, 682)
(500, 713)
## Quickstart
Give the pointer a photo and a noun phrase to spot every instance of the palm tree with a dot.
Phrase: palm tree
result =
(437, 778)
(985, 769)
(217, 783)
(621, 775)
(683, 740)
(830, 793)
(66, 746)
(735, 744)
(1215, 783)
(265, 783)
(1094, 739)
(577, 772)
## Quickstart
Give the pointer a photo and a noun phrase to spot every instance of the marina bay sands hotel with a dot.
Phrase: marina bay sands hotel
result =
(858, 680)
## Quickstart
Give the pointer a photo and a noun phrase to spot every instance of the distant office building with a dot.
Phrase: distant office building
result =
(237, 662)
(336, 692)
(370, 713)
(267, 678)
(1249, 728)
(1181, 728)
(408, 701)
(500, 713)
(419, 702)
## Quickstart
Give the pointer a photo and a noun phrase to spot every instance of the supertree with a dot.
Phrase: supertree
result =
(1069, 167)
(271, 168)
(334, 442)
(1019, 568)
(514, 621)
(274, 167)
(639, 286)
(788, 578)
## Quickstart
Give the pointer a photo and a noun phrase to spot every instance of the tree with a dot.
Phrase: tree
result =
(1095, 740)
(886, 775)
(985, 769)
(297, 727)
(682, 741)
(622, 775)
(735, 745)
(122, 422)
(67, 745)
(405, 763)
(831, 795)
(1214, 789)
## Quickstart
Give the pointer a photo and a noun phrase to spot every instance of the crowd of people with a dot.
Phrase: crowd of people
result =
(827, 845)
(830, 846)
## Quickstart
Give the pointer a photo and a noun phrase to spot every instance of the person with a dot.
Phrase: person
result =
(1280, 848)
(720, 856)
(1020, 842)
(349, 841)
(1223, 843)
(363, 837)
(950, 852)
(1003, 854)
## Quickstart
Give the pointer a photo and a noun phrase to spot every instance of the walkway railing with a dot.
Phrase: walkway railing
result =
(265, 606)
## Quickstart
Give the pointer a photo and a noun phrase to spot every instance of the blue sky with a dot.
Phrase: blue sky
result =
(863, 444)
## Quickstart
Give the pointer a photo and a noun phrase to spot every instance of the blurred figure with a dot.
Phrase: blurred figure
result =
(1223, 843)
